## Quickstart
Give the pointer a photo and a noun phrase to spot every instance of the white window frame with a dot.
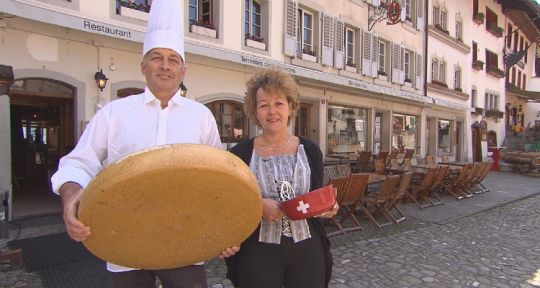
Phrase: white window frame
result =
(459, 30)
(443, 20)
(350, 46)
(407, 65)
(491, 101)
(302, 27)
(436, 15)
(474, 97)
(457, 78)
(434, 70)
(198, 10)
(442, 72)
(408, 8)
(249, 10)
(382, 57)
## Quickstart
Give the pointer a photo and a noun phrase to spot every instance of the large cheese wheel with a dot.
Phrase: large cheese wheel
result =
(170, 206)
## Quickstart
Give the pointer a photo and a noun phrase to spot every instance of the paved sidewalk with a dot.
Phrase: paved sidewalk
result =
(434, 222)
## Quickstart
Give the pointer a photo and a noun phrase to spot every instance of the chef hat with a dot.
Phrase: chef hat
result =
(165, 27)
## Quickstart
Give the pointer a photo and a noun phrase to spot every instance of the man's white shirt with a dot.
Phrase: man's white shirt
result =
(130, 125)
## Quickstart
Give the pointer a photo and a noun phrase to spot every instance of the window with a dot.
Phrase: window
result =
(492, 60)
(404, 129)
(434, 70)
(442, 72)
(231, 121)
(459, 30)
(122, 93)
(301, 123)
(516, 39)
(436, 16)
(305, 32)
(443, 21)
(349, 46)
(444, 136)
(524, 87)
(526, 47)
(252, 18)
(474, 52)
(513, 76)
(491, 19)
(509, 39)
(491, 101)
(346, 129)
(408, 10)
(382, 56)
(407, 66)
(519, 79)
(457, 78)
(474, 96)
(475, 7)
(202, 12)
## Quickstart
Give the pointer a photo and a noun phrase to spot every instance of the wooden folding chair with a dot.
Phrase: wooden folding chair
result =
(444, 158)
(399, 193)
(483, 171)
(453, 186)
(408, 154)
(406, 163)
(429, 160)
(392, 156)
(381, 201)
(354, 196)
(438, 185)
(382, 155)
(340, 184)
(419, 192)
(467, 185)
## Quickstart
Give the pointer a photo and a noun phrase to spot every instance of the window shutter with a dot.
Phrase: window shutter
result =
(375, 55)
(327, 40)
(396, 74)
(403, 11)
(420, 15)
(402, 66)
(419, 74)
(339, 58)
(366, 54)
(291, 22)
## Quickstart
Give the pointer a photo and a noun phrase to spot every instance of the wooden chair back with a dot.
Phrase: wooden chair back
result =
(364, 157)
(442, 170)
(343, 170)
(387, 190)
(356, 187)
(407, 162)
(444, 158)
(404, 185)
(340, 183)
(382, 155)
(408, 153)
(429, 160)
(393, 154)
(394, 163)
(379, 166)
(421, 190)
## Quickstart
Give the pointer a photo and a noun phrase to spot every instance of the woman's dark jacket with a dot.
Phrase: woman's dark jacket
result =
(244, 151)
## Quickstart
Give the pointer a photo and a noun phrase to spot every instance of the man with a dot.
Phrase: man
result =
(158, 116)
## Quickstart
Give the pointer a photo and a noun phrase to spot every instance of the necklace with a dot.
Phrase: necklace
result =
(269, 148)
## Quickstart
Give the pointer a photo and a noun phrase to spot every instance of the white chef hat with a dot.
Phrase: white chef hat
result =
(165, 27)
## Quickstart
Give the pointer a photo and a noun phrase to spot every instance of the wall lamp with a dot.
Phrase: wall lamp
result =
(101, 79)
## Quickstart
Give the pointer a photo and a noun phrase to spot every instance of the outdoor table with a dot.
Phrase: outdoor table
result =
(461, 164)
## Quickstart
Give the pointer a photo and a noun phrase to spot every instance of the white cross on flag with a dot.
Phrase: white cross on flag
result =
(302, 207)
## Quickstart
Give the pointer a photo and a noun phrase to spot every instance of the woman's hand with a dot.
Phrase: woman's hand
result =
(271, 210)
(228, 252)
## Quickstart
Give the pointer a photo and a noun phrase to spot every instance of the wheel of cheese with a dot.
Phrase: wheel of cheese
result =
(170, 206)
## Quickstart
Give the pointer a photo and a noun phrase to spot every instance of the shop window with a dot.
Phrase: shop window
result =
(346, 131)
(231, 121)
(404, 134)
(444, 136)
(302, 121)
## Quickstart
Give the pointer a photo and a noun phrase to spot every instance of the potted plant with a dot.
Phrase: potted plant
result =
(382, 75)
(408, 82)
(494, 113)
(458, 89)
(495, 30)
(309, 55)
(478, 110)
(133, 10)
(478, 65)
(478, 18)
(439, 83)
(495, 71)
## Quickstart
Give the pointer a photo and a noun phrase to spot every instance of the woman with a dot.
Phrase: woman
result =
(281, 252)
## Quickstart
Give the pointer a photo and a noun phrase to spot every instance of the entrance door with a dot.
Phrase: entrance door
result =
(42, 131)
(477, 143)
(302, 127)
(459, 141)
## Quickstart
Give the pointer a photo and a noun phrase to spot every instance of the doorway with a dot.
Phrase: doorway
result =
(42, 131)
(476, 142)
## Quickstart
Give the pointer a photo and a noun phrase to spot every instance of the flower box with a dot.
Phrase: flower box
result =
(478, 111)
(478, 65)
(479, 18)
(382, 77)
(495, 30)
(256, 44)
(439, 83)
(133, 13)
(350, 68)
(438, 26)
(201, 30)
(309, 57)
(408, 84)
(495, 72)
(494, 113)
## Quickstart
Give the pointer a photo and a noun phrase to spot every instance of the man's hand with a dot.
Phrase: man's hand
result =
(228, 252)
(71, 193)
(271, 210)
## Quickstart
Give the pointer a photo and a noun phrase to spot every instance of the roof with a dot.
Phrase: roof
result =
(515, 9)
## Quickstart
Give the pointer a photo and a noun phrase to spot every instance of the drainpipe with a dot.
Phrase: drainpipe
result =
(426, 21)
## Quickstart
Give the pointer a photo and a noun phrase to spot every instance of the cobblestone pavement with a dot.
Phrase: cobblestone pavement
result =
(496, 248)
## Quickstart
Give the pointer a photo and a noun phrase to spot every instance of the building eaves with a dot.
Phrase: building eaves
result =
(529, 7)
